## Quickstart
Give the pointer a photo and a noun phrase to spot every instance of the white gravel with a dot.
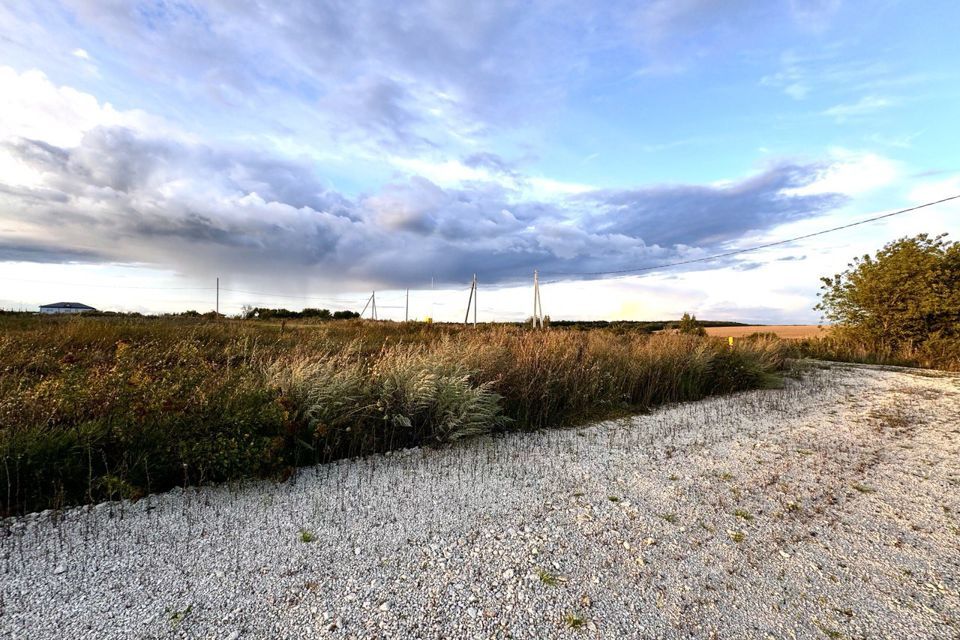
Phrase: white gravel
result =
(829, 509)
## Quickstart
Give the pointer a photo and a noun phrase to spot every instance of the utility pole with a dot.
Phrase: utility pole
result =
(218, 298)
(473, 288)
(537, 307)
(476, 293)
(406, 313)
(373, 308)
(364, 310)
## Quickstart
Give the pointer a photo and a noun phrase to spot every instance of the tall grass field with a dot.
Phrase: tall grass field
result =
(103, 408)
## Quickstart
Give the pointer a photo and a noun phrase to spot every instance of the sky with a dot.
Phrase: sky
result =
(309, 152)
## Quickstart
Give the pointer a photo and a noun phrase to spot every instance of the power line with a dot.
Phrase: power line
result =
(749, 249)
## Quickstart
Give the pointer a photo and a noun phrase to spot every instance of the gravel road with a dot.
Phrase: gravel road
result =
(829, 509)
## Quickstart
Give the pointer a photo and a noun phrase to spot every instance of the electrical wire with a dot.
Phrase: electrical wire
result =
(747, 249)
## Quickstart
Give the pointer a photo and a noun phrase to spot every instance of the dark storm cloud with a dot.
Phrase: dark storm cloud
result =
(697, 215)
(35, 251)
(200, 209)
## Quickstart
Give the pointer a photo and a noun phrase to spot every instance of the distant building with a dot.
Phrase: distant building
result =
(65, 307)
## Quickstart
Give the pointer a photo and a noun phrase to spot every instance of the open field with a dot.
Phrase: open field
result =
(785, 331)
(98, 408)
(829, 509)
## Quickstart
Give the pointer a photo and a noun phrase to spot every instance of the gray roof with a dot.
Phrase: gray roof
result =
(67, 305)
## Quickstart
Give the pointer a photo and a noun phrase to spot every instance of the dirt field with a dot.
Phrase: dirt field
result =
(787, 331)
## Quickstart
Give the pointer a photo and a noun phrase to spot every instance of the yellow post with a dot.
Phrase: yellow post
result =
(730, 340)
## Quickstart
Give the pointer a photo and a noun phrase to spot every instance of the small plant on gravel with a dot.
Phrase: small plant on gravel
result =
(547, 578)
(736, 536)
(670, 517)
(177, 616)
(862, 488)
(307, 536)
(743, 514)
(674, 477)
(574, 620)
(613, 498)
(827, 631)
(793, 507)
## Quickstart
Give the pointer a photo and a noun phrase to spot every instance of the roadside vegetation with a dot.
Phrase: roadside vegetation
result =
(900, 307)
(99, 408)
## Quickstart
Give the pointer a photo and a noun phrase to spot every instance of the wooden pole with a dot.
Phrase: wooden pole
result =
(406, 313)
(476, 294)
(218, 298)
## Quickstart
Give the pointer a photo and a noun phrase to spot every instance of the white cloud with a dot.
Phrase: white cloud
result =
(851, 173)
(867, 105)
(31, 106)
(80, 53)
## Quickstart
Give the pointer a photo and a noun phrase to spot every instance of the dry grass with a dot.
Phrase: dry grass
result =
(784, 331)
(94, 408)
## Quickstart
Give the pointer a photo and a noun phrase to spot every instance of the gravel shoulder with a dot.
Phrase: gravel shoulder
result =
(828, 509)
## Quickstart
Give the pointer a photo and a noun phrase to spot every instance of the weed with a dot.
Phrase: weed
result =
(827, 631)
(862, 488)
(743, 514)
(613, 498)
(548, 578)
(670, 517)
(736, 536)
(574, 620)
(307, 536)
(176, 616)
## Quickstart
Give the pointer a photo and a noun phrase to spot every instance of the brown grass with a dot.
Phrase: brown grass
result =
(785, 331)
(94, 408)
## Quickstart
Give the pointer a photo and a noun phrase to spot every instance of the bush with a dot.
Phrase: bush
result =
(901, 306)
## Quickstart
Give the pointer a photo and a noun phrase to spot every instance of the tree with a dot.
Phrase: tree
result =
(906, 295)
(689, 325)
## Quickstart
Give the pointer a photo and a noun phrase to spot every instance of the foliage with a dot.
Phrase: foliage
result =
(95, 408)
(688, 325)
(263, 313)
(902, 304)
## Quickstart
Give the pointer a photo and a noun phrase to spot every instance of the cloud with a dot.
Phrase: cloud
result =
(695, 215)
(124, 196)
(850, 173)
(865, 106)
(391, 74)
(815, 15)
